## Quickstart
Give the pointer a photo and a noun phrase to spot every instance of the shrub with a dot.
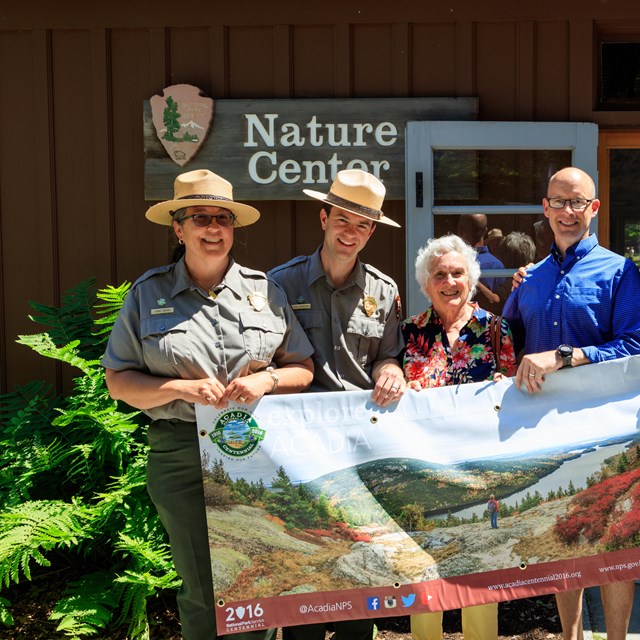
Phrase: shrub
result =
(73, 480)
(592, 510)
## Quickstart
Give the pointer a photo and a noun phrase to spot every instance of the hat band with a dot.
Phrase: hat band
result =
(368, 212)
(204, 197)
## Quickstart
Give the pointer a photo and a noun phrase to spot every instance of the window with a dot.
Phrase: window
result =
(618, 60)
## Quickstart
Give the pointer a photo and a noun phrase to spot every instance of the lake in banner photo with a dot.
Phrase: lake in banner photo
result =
(325, 507)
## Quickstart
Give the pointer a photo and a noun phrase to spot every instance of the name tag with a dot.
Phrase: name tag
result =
(161, 310)
(297, 307)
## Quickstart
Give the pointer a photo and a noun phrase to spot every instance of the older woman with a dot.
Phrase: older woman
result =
(203, 330)
(451, 343)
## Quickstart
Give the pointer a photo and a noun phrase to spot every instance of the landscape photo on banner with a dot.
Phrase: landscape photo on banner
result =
(323, 506)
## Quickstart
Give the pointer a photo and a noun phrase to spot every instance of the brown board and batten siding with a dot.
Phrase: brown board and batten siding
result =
(74, 77)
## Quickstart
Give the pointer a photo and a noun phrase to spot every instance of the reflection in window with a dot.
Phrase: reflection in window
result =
(494, 177)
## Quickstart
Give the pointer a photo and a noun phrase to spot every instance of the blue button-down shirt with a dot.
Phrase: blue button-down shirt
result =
(487, 260)
(591, 300)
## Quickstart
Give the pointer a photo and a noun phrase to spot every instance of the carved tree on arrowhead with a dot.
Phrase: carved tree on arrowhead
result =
(170, 119)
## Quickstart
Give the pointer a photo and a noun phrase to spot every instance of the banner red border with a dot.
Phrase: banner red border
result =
(436, 595)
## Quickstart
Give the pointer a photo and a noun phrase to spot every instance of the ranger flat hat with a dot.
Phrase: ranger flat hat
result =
(205, 189)
(358, 192)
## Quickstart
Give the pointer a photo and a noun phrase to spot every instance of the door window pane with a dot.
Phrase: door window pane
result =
(494, 177)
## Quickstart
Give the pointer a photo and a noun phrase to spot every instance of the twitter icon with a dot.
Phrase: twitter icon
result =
(407, 601)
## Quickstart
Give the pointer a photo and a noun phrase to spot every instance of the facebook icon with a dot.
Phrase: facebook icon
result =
(373, 604)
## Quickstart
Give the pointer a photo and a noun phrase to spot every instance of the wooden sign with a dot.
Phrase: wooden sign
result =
(273, 149)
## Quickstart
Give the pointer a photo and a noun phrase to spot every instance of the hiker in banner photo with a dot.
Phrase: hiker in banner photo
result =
(577, 306)
(351, 313)
(178, 341)
(493, 508)
(454, 341)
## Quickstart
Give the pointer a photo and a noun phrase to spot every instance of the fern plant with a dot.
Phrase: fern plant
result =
(72, 480)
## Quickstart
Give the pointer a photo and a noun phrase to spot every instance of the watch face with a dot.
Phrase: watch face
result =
(565, 350)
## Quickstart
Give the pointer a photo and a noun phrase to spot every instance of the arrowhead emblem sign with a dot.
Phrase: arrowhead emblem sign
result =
(182, 116)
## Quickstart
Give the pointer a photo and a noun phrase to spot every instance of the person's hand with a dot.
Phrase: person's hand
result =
(519, 276)
(248, 389)
(205, 391)
(390, 385)
(533, 368)
(414, 385)
(497, 376)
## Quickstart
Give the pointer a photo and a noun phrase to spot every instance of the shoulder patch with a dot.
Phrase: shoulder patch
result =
(287, 265)
(252, 273)
(153, 272)
(376, 273)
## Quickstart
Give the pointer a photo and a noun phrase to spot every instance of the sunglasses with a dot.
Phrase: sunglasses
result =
(205, 219)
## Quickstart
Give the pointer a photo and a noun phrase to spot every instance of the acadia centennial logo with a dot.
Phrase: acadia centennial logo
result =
(236, 433)
(181, 116)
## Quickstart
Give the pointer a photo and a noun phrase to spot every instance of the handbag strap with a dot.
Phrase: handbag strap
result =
(496, 338)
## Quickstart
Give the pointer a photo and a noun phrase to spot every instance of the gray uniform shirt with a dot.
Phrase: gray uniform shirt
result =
(350, 327)
(168, 327)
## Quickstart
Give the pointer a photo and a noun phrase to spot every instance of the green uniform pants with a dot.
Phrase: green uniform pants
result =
(174, 482)
(345, 630)
(478, 623)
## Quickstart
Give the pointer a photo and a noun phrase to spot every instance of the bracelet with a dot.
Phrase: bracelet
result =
(275, 377)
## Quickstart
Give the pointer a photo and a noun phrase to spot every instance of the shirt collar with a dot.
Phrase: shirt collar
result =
(233, 278)
(181, 280)
(576, 251)
(316, 271)
(482, 249)
(477, 314)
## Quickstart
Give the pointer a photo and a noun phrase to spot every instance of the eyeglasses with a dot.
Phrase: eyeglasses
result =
(577, 204)
(205, 219)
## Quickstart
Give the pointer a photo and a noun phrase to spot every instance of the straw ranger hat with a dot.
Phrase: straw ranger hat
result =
(358, 192)
(201, 188)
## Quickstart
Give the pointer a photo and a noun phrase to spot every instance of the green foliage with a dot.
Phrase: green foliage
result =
(412, 518)
(32, 528)
(72, 481)
(87, 606)
(291, 503)
(5, 614)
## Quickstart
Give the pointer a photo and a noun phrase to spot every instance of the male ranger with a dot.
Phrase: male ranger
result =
(351, 313)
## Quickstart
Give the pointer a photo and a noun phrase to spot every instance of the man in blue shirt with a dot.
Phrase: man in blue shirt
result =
(472, 228)
(579, 305)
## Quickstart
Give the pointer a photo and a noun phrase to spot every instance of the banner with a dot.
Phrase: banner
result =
(325, 507)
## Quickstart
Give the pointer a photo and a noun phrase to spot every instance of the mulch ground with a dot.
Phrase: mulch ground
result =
(527, 619)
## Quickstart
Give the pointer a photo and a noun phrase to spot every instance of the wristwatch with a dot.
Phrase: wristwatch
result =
(275, 377)
(565, 351)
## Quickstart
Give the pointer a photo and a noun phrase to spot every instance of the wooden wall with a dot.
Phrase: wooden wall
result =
(73, 79)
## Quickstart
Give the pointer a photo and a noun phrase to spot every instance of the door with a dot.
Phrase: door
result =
(497, 169)
(619, 191)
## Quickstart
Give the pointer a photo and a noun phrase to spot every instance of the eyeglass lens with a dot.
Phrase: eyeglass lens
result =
(577, 204)
(205, 219)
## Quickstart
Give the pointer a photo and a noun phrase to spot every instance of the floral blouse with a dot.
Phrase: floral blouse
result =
(429, 358)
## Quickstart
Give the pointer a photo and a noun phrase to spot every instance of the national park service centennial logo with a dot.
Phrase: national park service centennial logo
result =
(236, 433)
(182, 117)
